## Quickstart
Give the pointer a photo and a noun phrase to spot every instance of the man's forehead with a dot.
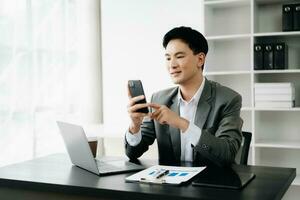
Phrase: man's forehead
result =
(176, 46)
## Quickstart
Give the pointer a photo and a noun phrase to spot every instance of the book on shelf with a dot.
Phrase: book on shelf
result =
(275, 90)
(274, 97)
(274, 85)
(274, 104)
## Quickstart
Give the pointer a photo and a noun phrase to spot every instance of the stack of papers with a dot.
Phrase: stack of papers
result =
(171, 175)
(274, 95)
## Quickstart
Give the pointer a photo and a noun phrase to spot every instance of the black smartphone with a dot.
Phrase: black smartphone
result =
(136, 89)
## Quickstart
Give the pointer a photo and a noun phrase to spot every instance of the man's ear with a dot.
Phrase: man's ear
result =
(201, 59)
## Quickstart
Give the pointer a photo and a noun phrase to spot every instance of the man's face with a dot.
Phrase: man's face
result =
(181, 62)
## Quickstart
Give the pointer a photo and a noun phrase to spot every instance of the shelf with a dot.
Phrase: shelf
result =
(227, 73)
(246, 109)
(284, 71)
(277, 109)
(226, 3)
(263, 2)
(219, 57)
(240, 83)
(283, 157)
(273, 34)
(232, 27)
(276, 144)
(236, 22)
(228, 37)
(242, 36)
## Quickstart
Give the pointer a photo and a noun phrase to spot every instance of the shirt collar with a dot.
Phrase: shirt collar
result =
(196, 96)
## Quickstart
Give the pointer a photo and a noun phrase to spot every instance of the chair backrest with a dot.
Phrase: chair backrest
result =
(242, 156)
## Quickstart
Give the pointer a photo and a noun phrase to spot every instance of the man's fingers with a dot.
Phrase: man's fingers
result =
(155, 114)
(154, 105)
(138, 98)
(138, 115)
(135, 107)
(160, 119)
(133, 100)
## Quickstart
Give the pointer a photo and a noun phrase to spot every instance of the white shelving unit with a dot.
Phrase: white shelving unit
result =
(232, 27)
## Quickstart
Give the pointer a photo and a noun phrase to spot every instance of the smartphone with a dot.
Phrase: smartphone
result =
(136, 89)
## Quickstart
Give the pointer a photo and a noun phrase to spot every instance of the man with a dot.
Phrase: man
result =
(197, 121)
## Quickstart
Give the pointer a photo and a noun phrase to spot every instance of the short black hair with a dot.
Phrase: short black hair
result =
(194, 39)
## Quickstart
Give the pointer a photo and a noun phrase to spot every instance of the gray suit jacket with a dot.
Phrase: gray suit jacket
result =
(217, 115)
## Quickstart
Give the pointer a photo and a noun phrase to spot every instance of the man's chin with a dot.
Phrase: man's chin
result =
(176, 81)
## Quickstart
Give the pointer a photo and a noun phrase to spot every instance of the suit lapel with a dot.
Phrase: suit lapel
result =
(175, 132)
(204, 105)
(203, 109)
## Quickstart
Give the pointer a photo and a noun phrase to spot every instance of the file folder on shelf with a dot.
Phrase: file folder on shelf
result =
(280, 56)
(296, 17)
(268, 57)
(258, 57)
(287, 17)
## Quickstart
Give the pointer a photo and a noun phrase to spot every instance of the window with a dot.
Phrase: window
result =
(39, 75)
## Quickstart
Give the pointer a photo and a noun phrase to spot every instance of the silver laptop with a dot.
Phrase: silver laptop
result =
(81, 155)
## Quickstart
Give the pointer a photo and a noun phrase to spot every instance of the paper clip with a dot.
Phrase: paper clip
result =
(156, 181)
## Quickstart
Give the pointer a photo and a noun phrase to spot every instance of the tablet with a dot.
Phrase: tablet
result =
(223, 178)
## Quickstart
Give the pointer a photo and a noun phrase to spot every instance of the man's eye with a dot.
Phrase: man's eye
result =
(180, 57)
(168, 59)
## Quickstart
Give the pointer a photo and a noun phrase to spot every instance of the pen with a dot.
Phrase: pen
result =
(162, 173)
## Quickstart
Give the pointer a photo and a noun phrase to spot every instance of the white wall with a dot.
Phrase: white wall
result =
(132, 33)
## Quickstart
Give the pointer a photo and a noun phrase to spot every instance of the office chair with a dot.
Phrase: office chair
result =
(242, 156)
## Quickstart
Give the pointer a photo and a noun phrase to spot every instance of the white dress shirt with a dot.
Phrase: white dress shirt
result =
(188, 138)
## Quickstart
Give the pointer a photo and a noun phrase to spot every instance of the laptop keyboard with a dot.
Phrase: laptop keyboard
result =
(105, 167)
(114, 166)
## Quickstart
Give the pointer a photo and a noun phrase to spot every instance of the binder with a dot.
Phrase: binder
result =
(280, 56)
(268, 57)
(296, 17)
(258, 57)
(287, 17)
(223, 178)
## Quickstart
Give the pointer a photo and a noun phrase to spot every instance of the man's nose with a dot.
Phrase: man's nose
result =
(173, 63)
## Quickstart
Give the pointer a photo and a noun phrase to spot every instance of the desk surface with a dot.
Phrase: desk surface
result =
(55, 173)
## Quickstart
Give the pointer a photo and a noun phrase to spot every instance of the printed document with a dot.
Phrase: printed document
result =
(161, 174)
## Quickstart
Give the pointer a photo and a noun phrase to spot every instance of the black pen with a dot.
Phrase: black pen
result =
(162, 173)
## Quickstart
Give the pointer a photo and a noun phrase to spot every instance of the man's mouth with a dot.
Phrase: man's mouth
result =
(175, 73)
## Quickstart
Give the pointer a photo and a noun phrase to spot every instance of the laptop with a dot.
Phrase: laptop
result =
(223, 178)
(81, 155)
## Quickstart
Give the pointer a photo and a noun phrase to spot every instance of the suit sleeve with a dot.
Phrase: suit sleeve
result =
(220, 144)
(148, 137)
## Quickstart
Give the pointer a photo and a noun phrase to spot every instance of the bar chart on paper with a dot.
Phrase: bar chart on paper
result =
(160, 174)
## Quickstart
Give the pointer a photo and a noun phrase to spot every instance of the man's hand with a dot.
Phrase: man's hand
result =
(164, 115)
(136, 117)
